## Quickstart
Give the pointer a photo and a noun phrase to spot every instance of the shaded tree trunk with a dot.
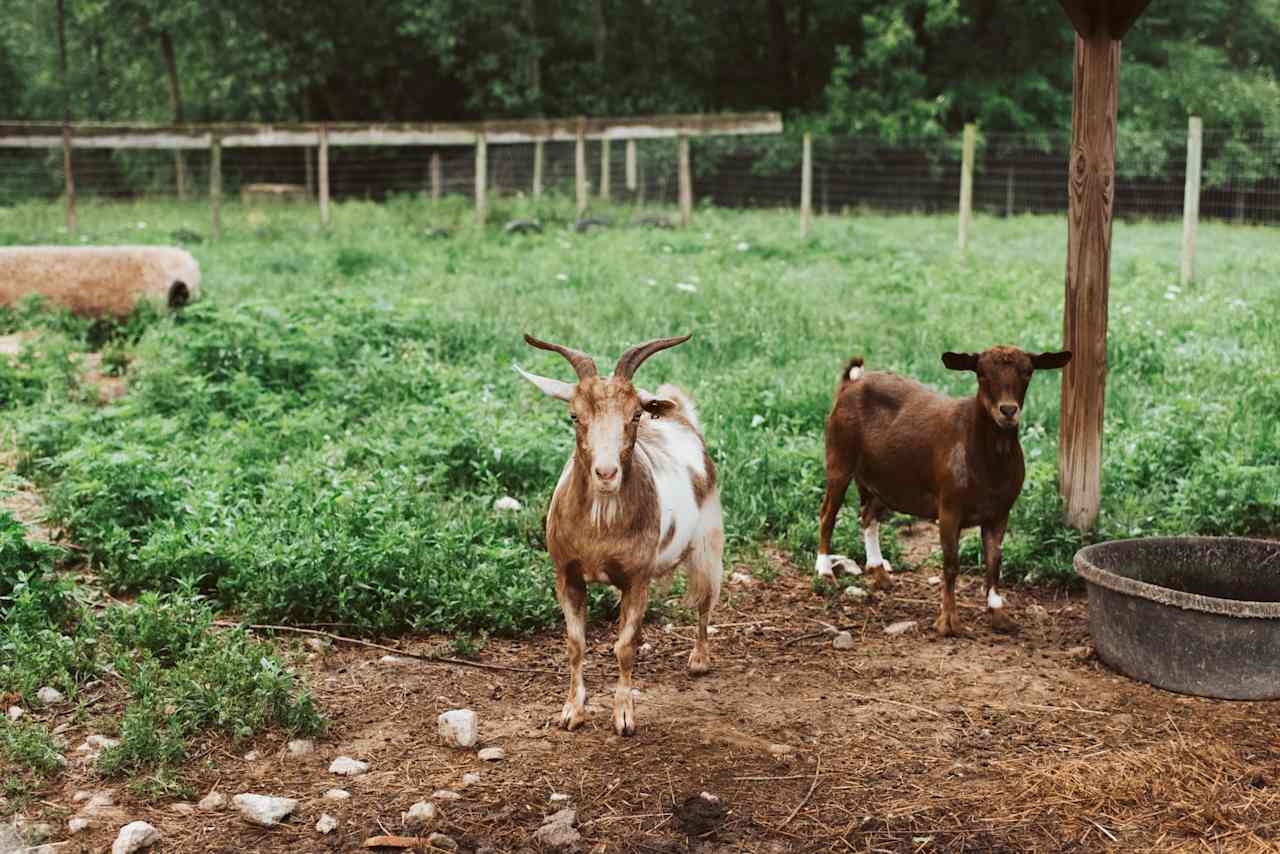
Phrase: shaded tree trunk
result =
(66, 120)
(175, 101)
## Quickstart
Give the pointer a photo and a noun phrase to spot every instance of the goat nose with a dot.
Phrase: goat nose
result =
(606, 472)
(1009, 409)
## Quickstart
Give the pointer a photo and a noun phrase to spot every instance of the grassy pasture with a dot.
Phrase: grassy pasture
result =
(321, 439)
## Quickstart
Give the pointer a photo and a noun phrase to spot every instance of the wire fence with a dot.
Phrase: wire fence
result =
(1014, 173)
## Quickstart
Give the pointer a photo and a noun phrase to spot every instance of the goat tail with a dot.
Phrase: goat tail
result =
(687, 409)
(852, 370)
(705, 571)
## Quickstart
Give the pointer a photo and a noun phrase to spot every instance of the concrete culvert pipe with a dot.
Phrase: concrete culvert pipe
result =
(99, 281)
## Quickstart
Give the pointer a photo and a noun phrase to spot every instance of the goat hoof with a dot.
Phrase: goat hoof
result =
(947, 625)
(572, 717)
(1000, 621)
(699, 663)
(624, 722)
(880, 576)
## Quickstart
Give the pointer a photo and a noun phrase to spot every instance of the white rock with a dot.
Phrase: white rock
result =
(327, 823)
(81, 795)
(899, 627)
(557, 832)
(134, 836)
(95, 744)
(394, 660)
(741, 578)
(420, 814)
(559, 797)
(78, 824)
(49, 696)
(493, 754)
(262, 809)
(934, 580)
(10, 839)
(458, 727)
(213, 802)
(844, 640)
(336, 795)
(444, 795)
(183, 808)
(439, 840)
(345, 766)
(506, 502)
(301, 746)
(98, 803)
(14, 713)
(853, 591)
(317, 644)
(252, 756)
(564, 816)
(470, 778)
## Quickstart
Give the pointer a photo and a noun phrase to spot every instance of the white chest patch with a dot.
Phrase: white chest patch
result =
(855, 373)
(994, 600)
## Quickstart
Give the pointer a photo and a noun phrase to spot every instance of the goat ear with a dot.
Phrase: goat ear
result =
(960, 361)
(655, 405)
(551, 388)
(1050, 361)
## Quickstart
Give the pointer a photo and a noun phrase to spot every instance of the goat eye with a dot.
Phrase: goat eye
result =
(573, 419)
(636, 417)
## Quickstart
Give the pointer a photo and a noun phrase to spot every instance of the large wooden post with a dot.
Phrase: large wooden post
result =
(966, 183)
(1191, 201)
(686, 180)
(631, 165)
(580, 168)
(604, 170)
(806, 184)
(482, 180)
(437, 177)
(215, 184)
(1099, 24)
(537, 168)
(322, 164)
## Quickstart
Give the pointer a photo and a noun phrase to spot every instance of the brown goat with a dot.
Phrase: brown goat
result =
(636, 500)
(913, 450)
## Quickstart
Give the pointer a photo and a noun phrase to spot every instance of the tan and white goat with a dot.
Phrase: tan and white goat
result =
(637, 499)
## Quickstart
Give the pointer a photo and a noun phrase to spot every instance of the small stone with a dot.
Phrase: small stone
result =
(741, 578)
(327, 823)
(14, 713)
(345, 766)
(420, 814)
(708, 797)
(844, 640)
(394, 660)
(445, 795)
(900, 627)
(507, 503)
(99, 802)
(853, 591)
(559, 797)
(557, 835)
(336, 795)
(317, 644)
(252, 756)
(934, 580)
(10, 840)
(49, 696)
(780, 749)
(78, 824)
(262, 809)
(301, 746)
(439, 840)
(213, 802)
(564, 816)
(134, 836)
(183, 808)
(81, 795)
(1038, 612)
(493, 754)
(458, 727)
(470, 778)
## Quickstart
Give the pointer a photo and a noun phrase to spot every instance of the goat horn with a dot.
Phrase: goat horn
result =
(633, 358)
(583, 364)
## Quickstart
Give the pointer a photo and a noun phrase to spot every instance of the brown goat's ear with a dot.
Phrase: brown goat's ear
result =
(659, 406)
(960, 361)
(1050, 361)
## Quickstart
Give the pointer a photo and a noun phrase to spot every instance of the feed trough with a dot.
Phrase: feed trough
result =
(1196, 615)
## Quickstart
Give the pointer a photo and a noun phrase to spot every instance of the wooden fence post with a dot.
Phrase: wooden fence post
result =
(482, 180)
(806, 185)
(309, 167)
(215, 184)
(686, 181)
(631, 165)
(538, 154)
(604, 169)
(437, 177)
(966, 184)
(580, 168)
(1191, 201)
(1090, 188)
(323, 166)
(1008, 193)
(70, 178)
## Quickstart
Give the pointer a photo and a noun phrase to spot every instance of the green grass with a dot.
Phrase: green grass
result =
(321, 438)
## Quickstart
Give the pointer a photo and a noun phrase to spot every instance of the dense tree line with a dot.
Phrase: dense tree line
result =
(899, 69)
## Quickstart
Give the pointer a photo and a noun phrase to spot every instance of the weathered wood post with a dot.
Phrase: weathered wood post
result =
(322, 164)
(604, 170)
(1099, 25)
(538, 153)
(631, 165)
(1191, 201)
(437, 177)
(966, 183)
(215, 183)
(580, 167)
(482, 179)
(686, 181)
(1008, 193)
(309, 166)
(806, 185)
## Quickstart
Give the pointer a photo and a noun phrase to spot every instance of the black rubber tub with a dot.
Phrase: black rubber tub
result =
(1196, 615)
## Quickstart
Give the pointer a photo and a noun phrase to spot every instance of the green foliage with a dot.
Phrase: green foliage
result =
(29, 744)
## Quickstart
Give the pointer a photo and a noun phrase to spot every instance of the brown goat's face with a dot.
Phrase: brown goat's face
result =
(606, 414)
(1003, 376)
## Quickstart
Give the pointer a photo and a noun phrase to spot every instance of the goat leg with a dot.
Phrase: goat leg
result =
(571, 592)
(634, 600)
(877, 567)
(992, 548)
(948, 622)
(837, 485)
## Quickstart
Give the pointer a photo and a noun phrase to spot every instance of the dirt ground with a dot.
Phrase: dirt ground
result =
(905, 743)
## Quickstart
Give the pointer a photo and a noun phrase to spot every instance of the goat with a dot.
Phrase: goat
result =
(99, 280)
(636, 499)
(913, 450)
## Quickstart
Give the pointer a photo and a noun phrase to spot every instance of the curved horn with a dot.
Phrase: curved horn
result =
(634, 357)
(583, 365)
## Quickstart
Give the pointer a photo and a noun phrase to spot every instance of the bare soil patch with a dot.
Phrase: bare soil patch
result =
(985, 742)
